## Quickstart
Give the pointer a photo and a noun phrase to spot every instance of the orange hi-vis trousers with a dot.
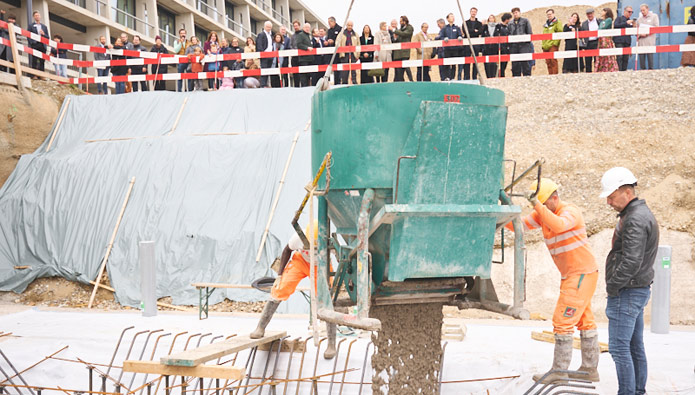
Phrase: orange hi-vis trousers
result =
(574, 304)
(296, 270)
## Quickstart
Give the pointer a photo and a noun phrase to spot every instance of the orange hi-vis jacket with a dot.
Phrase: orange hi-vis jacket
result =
(565, 237)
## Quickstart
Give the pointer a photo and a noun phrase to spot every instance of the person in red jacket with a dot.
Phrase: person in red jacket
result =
(565, 236)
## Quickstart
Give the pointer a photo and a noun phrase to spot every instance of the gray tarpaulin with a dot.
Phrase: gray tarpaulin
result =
(203, 193)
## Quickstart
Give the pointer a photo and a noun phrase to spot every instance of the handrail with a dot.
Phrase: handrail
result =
(231, 23)
(118, 10)
(209, 8)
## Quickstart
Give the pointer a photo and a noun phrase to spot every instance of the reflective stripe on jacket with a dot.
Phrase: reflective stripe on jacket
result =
(565, 236)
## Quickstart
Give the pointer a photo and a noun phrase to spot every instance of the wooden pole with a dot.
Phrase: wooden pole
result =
(113, 238)
(60, 121)
(277, 197)
(178, 117)
(15, 57)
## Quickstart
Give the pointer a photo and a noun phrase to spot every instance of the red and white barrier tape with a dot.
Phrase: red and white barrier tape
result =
(391, 65)
(154, 58)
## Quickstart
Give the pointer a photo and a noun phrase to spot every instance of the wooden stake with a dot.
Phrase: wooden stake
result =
(277, 198)
(113, 238)
(60, 121)
(160, 304)
(178, 117)
(15, 57)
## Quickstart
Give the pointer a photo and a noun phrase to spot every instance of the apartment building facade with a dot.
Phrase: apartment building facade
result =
(83, 21)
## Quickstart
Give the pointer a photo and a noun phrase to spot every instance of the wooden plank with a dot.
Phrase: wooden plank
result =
(549, 337)
(178, 117)
(113, 239)
(212, 351)
(202, 371)
(299, 346)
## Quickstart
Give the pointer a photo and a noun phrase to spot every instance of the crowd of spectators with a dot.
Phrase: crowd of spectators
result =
(306, 37)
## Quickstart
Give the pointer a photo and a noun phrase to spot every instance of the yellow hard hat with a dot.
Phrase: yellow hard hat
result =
(547, 188)
(315, 231)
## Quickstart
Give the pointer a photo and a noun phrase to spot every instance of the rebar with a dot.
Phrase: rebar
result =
(314, 384)
(16, 373)
(364, 366)
(347, 360)
(142, 353)
(115, 351)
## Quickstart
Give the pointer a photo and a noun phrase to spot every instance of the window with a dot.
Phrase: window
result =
(254, 26)
(167, 25)
(125, 13)
(229, 12)
(202, 34)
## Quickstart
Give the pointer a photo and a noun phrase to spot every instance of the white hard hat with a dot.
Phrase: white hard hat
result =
(614, 179)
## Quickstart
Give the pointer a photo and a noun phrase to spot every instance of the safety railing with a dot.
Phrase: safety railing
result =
(167, 38)
(263, 5)
(97, 6)
(278, 16)
(238, 27)
(209, 11)
(131, 21)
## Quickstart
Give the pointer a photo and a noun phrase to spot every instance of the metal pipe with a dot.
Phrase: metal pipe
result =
(364, 282)
(497, 307)
(523, 175)
(398, 175)
(154, 349)
(519, 255)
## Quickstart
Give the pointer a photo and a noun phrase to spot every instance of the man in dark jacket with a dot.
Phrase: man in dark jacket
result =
(305, 42)
(37, 27)
(139, 69)
(590, 24)
(5, 50)
(623, 22)
(475, 29)
(450, 32)
(264, 43)
(629, 274)
(332, 33)
(402, 35)
(520, 26)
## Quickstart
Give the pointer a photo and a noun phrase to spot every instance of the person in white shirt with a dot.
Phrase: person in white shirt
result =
(591, 24)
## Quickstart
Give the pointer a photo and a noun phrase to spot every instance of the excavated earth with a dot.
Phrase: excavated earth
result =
(408, 349)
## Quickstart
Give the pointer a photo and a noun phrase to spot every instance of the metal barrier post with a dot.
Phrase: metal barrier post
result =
(661, 291)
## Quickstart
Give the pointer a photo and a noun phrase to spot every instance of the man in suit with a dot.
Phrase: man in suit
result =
(5, 50)
(264, 43)
(591, 23)
(318, 59)
(41, 29)
(624, 21)
(102, 88)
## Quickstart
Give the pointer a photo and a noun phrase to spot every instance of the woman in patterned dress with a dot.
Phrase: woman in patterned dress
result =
(606, 63)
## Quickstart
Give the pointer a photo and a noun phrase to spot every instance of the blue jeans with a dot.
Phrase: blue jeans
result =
(181, 68)
(101, 87)
(120, 87)
(625, 314)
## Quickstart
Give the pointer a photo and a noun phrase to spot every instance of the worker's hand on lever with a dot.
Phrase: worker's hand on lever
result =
(532, 198)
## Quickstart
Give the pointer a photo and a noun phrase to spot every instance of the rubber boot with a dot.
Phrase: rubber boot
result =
(590, 356)
(267, 314)
(331, 332)
(561, 359)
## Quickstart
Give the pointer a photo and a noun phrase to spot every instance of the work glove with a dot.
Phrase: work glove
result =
(276, 266)
(532, 198)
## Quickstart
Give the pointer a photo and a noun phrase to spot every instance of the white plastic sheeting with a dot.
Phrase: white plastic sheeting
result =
(203, 192)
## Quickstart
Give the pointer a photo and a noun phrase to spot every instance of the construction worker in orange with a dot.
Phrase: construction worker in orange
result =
(292, 267)
(565, 236)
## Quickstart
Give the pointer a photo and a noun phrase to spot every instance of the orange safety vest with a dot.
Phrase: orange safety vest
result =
(565, 236)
